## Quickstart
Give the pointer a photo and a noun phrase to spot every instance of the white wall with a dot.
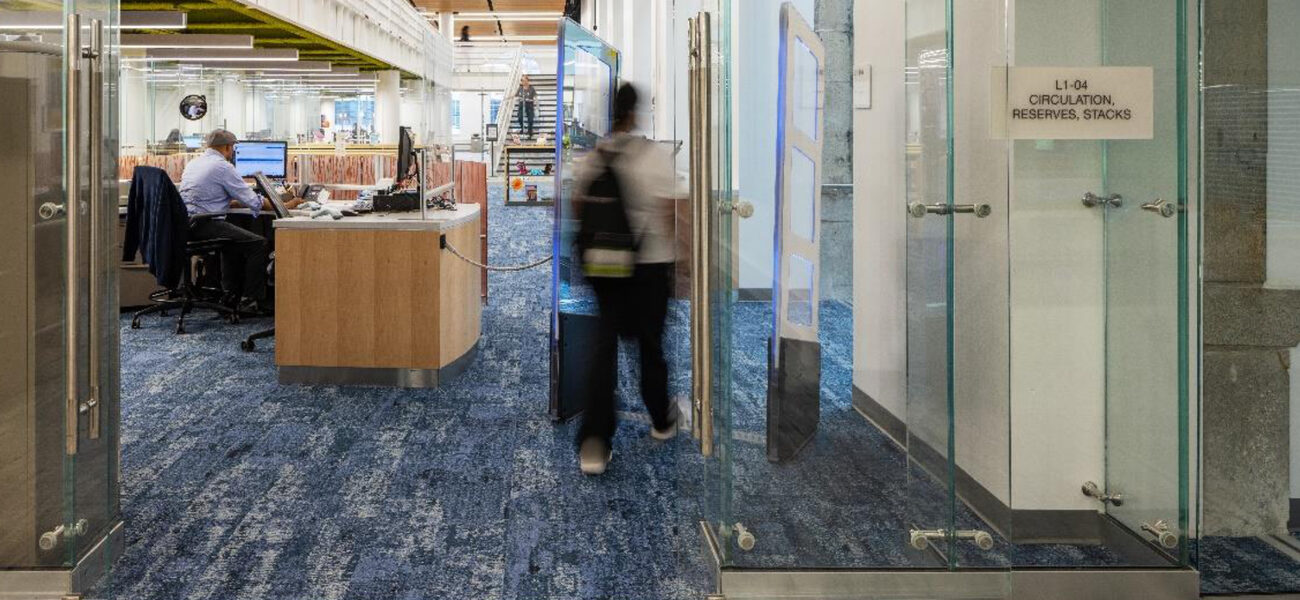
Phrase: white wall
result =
(1057, 282)
(637, 30)
(880, 195)
(1283, 240)
(474, 109)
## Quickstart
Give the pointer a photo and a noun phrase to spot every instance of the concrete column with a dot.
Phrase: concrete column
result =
(1249, 330)
(388, 106)
(833, 21)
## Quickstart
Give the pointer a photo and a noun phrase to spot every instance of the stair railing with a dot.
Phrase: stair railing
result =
(506, 112)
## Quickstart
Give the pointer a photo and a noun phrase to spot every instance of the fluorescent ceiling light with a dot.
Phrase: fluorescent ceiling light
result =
(528, 38)
(188, 40)
(270, 67)
(509, 16)
(54, 20)
(218, 54)
(153, 19)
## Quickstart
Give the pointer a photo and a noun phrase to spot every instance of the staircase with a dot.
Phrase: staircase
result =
(543, 124)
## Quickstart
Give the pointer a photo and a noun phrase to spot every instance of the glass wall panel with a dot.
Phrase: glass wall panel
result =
(1250, 120)
(58, 392)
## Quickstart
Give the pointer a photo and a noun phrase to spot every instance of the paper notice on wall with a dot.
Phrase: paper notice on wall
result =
(1072, 103)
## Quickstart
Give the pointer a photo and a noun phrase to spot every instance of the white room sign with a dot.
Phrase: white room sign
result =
(1072, 103)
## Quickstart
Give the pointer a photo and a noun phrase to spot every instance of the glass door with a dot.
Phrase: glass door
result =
(1146, 290)
(1095, 110)
(59, 394)
(712, 293)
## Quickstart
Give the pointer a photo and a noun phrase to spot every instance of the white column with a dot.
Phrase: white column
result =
(134, 114)
(388, 106)
(232, 106)
(447, 26)
(254, 109)
(328, 110)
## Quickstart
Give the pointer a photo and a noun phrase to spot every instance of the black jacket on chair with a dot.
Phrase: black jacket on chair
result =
(157, 224)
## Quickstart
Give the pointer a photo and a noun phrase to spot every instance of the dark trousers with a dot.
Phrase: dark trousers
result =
(528, 111)
(243, 260)
(634, 308)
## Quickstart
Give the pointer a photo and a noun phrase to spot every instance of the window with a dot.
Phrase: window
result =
(455, 115)
(493, 108)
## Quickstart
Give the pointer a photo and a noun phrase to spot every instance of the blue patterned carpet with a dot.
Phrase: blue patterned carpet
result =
(237, 487)
(1244, 565)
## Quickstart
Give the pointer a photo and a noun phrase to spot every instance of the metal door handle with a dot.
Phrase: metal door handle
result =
(702, 252)
(1092, 200)
(743, 208)
(1161, 207)
(72, 187)
(50, 210)
(95, 53)
(919, 210)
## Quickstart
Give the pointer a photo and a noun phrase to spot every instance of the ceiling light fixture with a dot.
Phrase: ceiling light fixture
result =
(53, 20)
(527, 38)
(509, 16)
(188, 40)
(266, 66)
(220, 54)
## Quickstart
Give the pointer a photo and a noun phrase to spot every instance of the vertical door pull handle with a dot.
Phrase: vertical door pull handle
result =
(72, 56)
(98, 266)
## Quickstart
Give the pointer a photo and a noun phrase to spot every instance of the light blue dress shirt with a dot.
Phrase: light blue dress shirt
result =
(210, 182)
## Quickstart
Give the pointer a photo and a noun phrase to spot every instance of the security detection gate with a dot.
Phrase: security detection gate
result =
(586, 76)
(794, 364)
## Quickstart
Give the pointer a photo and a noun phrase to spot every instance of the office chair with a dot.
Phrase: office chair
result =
(158, 196)
(249, 344)
(188, 296)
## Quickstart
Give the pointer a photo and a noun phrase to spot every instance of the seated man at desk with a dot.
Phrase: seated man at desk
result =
(211, 186)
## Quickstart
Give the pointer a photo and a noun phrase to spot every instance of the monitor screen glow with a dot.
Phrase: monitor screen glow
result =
(267, 157)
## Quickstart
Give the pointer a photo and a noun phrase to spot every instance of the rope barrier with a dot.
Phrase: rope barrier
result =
(480, 265)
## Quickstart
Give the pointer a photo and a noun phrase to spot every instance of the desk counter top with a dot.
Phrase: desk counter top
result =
(439, 220)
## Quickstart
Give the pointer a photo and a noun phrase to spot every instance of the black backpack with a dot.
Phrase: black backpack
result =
(606, 245)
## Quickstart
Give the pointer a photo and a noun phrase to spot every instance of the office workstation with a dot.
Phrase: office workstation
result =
(364, 289)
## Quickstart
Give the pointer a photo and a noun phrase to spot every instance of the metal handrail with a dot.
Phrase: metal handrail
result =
(507, 109)
(470, 54)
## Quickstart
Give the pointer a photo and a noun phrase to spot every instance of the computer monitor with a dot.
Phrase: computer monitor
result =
(268, 157)
(405, 152)
(193, 141)
(274, 193)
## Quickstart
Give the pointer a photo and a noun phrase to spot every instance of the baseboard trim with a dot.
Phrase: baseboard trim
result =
(59, 583)
(1017, 526)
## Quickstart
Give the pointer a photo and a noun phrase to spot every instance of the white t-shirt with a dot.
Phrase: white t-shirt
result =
(645, 170)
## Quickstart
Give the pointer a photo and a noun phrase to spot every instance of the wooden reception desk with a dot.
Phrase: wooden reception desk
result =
(375, 299)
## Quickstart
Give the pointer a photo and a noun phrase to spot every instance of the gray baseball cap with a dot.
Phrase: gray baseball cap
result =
(221, 137)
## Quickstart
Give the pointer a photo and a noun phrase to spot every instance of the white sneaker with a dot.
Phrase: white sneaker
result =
(594, 457)
(667, 433)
